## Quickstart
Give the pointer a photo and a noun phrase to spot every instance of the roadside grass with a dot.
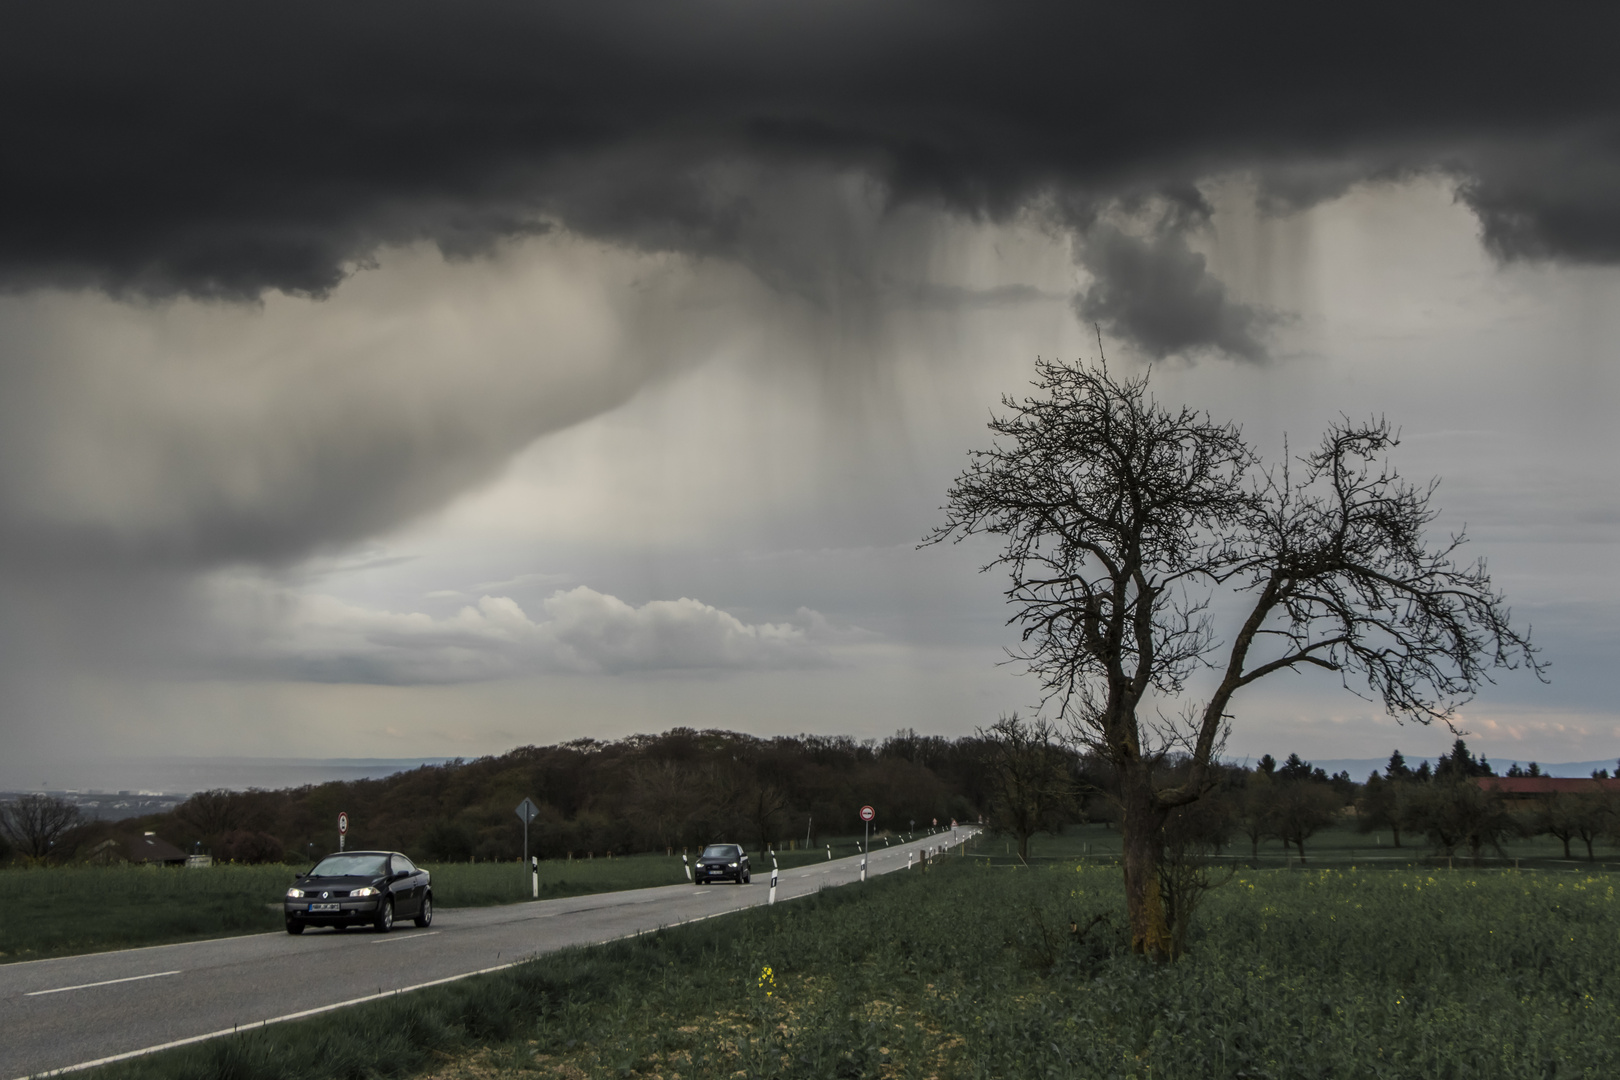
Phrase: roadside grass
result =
(62, 911)
(967, 970)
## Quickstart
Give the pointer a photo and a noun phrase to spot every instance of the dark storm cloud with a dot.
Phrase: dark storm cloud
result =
(1157, 292)
(222, 150)
(1562, 202)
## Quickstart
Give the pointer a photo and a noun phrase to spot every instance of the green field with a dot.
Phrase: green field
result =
(59, 911)
(971, 970)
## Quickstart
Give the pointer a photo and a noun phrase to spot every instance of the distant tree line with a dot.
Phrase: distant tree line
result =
(1290, 802)
(685, 788)
(668, 792)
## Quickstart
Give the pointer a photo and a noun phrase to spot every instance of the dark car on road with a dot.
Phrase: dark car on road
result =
(722, 862)
(352, 888)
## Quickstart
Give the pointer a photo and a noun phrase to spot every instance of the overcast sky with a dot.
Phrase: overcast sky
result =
(393, 379)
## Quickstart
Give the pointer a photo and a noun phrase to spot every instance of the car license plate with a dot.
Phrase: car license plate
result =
(323, 907)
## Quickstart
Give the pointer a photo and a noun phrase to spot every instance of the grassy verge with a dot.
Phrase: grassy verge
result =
(61, 911)
(965, 970)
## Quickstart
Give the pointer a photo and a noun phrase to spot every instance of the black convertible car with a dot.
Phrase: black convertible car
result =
(354, 887)
(720, 862)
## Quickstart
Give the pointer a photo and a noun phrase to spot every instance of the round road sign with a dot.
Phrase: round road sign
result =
(867, 813)
(343, 824)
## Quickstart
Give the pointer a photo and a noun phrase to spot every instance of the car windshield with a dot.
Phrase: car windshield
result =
(351, 866)
(721, 851)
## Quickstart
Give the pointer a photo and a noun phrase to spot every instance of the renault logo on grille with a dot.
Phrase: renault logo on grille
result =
(325, 895)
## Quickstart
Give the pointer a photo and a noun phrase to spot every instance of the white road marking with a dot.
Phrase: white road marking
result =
(405, 937)
(262, 1023)
(106, 982)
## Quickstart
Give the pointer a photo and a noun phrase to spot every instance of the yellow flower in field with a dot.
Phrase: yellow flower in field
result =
(767, 980)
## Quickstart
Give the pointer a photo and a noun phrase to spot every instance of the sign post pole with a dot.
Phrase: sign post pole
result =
(867, 814)
(527, 812)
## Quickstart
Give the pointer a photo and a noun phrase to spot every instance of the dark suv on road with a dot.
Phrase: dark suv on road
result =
(357, 887)
(722, 862)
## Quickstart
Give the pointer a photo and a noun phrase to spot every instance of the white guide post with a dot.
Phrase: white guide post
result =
(527, 812)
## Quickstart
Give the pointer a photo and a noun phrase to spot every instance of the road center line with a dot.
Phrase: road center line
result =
(404, 937)
(106, 982)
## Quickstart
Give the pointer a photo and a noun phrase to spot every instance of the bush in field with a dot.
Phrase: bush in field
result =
(1187, 871)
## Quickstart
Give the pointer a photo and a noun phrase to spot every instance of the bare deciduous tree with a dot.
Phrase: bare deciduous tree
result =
(1122, 518)
(1030, 786)
(213, 812)
(35, 822)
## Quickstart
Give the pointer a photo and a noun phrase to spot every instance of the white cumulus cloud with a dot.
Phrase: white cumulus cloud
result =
(269, 629)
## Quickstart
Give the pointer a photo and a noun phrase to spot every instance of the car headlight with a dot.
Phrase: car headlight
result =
(365, 891)
(732, 865)
(294, 893)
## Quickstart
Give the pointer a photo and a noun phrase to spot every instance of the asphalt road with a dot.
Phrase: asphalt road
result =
(76, 1011)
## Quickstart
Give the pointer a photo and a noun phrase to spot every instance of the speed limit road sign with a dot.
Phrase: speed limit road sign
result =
(867, 813)
(343, 824)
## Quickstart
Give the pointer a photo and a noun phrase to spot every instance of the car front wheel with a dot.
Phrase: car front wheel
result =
(425, 916)
(294, 926)
(385, 917)
(745, 878)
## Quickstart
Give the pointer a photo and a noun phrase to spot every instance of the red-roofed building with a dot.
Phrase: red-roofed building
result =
(1523, 792)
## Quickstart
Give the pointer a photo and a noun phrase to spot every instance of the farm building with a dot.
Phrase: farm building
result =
(1526, 792)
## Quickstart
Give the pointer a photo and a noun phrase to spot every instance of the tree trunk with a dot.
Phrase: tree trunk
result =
(1565, 839)
(1396, 829)
(1589, 856)
(1023, 847)
(1142, 832)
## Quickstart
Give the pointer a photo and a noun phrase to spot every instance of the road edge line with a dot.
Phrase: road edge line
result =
(252, 1025)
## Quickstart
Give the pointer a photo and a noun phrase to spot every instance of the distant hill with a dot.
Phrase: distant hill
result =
(672, 791)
